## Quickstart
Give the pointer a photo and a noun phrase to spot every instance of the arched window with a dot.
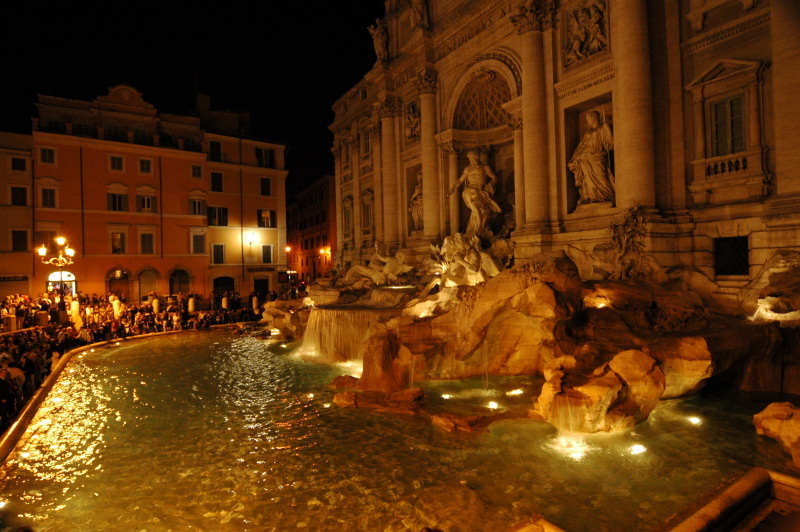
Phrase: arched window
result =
(480, 106)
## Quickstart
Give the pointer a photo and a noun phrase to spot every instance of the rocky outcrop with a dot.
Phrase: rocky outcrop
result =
(608, 350)
(781, 421)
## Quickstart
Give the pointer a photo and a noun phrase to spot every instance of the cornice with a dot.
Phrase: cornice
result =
(595, 77)
(728, 31)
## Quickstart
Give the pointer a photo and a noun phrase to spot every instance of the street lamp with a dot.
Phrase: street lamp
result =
(63, 258)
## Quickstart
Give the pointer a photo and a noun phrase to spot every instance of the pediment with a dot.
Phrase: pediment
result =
(123, 98)
(725, 69)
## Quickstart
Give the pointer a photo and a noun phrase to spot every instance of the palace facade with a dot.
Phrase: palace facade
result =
(645, 139)
(150, 202)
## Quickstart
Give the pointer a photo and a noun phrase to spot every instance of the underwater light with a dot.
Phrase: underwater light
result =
(571, 447)
(492, 405)
(638, 449)
(311, 396)
(514, 392)
(694, 420)
(446, 396)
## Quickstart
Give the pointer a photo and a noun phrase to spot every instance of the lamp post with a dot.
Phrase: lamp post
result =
(63, 257)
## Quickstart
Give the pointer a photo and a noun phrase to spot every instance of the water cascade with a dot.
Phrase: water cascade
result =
(337, 334)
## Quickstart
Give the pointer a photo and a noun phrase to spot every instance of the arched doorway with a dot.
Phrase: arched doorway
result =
(119, 283)
(179, 282)
(148, 282)
(61, 280)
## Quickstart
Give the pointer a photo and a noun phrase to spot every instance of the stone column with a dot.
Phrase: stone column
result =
(519, 177)
(529, 22)
(453, 200)
(426, 83)
(388, 111)
(784, 22)
(338, 172)
(633, 106)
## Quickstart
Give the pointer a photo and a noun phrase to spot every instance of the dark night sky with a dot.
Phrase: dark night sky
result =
(285, 61)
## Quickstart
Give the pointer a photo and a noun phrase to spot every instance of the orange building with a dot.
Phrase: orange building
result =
(154, 202)
(16, 261)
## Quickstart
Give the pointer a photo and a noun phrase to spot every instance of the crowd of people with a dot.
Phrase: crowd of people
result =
(36, 331)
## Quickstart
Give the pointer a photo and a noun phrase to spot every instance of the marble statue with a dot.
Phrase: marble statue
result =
(379, 39)
(462, 262)
(590, 162)
(478, 181)
(381, 270)
(415, 205)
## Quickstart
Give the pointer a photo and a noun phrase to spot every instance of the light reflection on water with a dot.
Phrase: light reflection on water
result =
(211, 431)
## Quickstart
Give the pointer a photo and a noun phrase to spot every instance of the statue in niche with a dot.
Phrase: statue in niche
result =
(379, 39)
(419, 14)
(591, 162)
(587, 32)
(415, 205)
(478, 180)
(412, 121)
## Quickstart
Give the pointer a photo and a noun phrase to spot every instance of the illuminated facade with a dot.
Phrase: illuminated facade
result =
(312, 230)
(16, 255)
(153, 202)
(653, 136)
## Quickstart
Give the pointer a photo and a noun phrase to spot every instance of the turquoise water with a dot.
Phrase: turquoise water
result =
(212, 431)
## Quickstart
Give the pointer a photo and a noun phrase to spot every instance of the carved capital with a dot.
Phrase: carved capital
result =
(534, 15)
(388, 107)
(426, 81)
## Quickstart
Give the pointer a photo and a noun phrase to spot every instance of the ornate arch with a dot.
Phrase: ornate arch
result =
(493, 78)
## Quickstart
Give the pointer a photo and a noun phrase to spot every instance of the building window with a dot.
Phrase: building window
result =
(47, 155)
(731, 256)
(197, 206)
(217, 216)
(365, 144)
(266, 254)
(198, 244)
(197, 171)
(728, 128)
(215, 150)
(216, 181)
(266, 218)
(115, 162)
(49, 198)
(147, 243)
(366, 210)
(18, 164)
(145, 166)
(347, 215)
(266, 186)
(19, 196)
(117, 202)
(145, 203)
(346, 154)
(218, 254)
(118, 243)
(265, 158)
(19, 240)
(730, 160)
